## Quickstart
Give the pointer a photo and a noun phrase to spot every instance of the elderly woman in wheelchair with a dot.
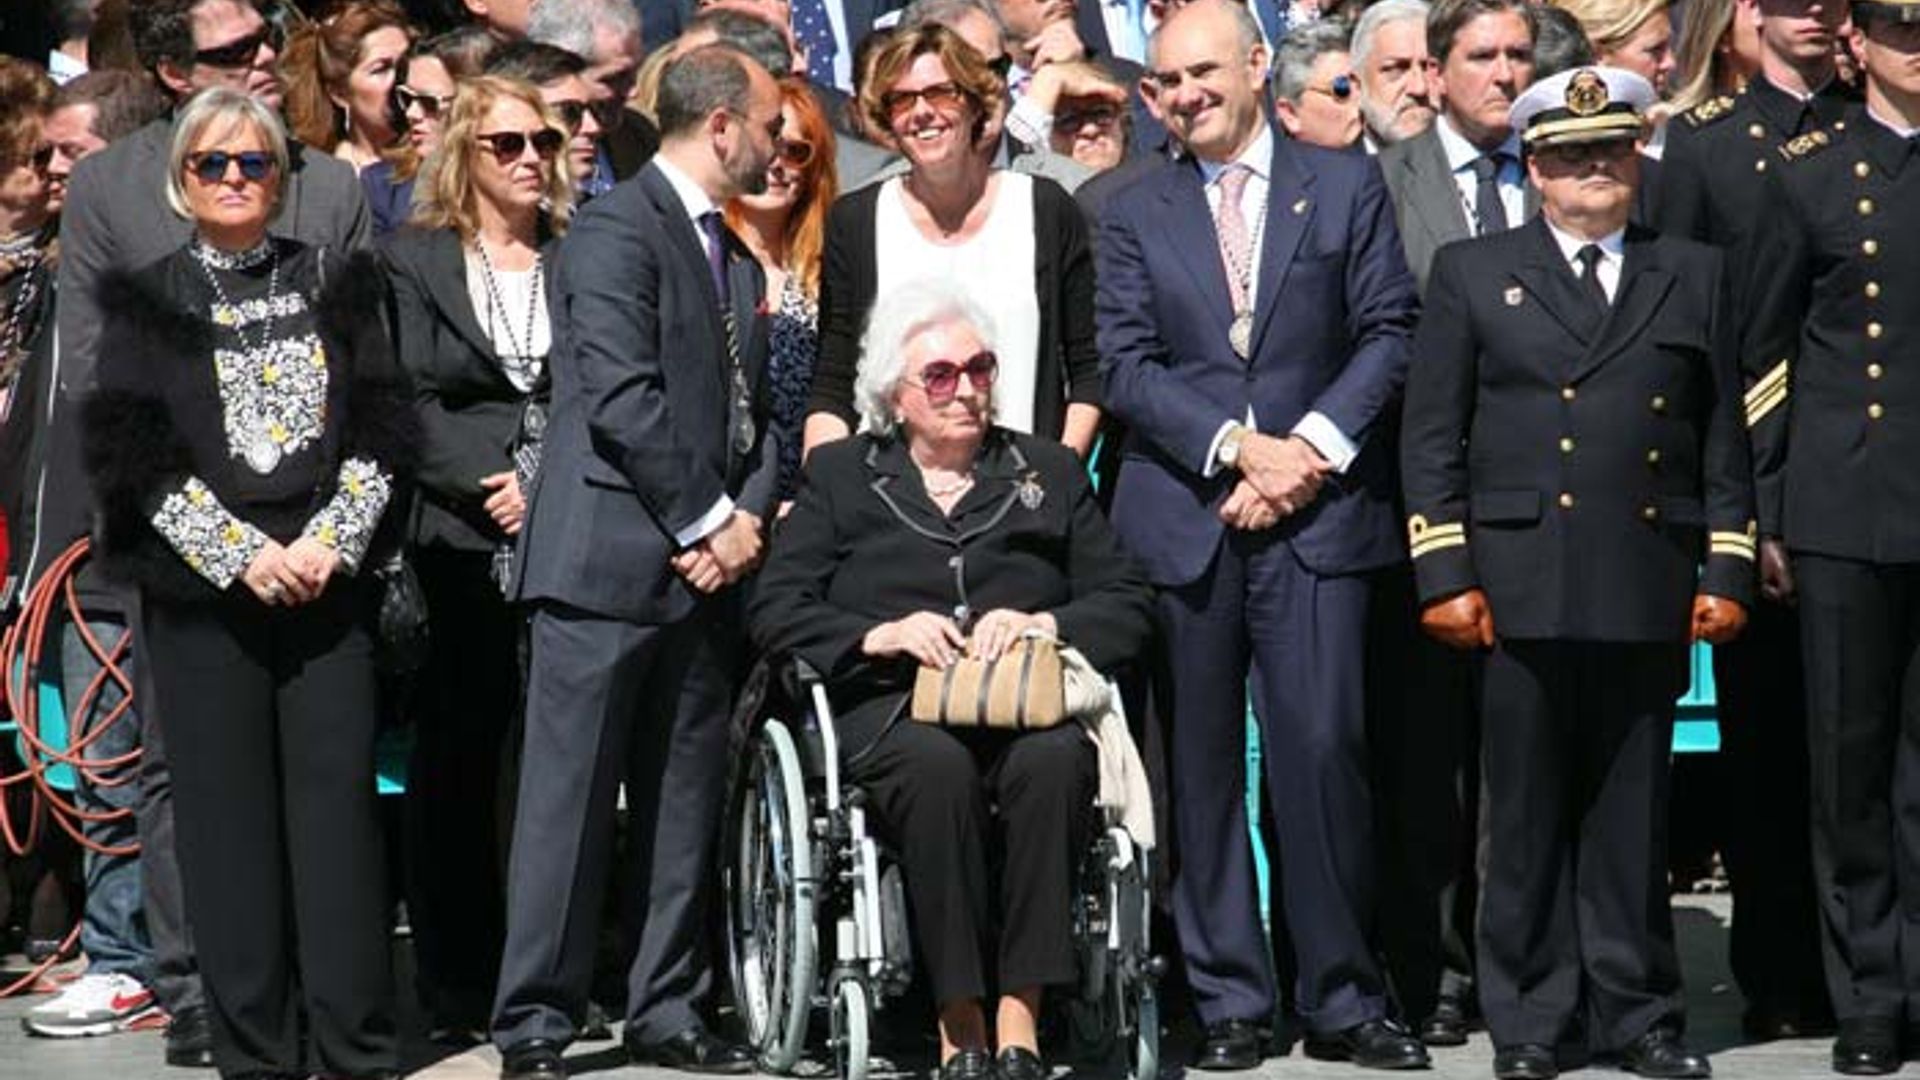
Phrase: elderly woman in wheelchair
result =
(933, 538)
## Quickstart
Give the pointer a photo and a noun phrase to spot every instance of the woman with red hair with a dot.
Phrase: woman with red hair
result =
(339, 72)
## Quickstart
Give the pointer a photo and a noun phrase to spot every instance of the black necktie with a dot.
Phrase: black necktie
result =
(1489, 213)
(1589, 257)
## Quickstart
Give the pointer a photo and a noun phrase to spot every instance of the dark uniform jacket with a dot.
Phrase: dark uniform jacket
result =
(1834, 404)
(1713, 172)
(865, 545)
(1577, 470)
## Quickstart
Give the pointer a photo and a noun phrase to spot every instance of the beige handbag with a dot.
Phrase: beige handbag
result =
(1024, 690)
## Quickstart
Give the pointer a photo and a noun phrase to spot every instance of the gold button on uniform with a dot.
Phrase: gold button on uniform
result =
(1566, 500)
(1869, 247)
(1875, 411)
(1650, 513)
(1567, 393)
(1862, 170)
(1760, 166)
(1874, 330)
(1874, 371)
(1658, 404)
(1566, 445)
(1865, 206)
(1873, 290)
(1653, 456)
(1757, 131)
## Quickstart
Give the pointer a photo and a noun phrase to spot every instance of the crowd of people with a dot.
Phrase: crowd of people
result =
(1431, 376)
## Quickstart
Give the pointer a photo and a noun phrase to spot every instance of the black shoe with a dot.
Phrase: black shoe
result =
(1371, 1044)
(1015, 1063)
(1525, 1061)
(1867, 1046)
(533, 1059)
(1660, 1053)
(694, 1050)
(1762, 1024)
(190, 1040)
(968, 1065)
(1448, 1024)
(1231, 1046)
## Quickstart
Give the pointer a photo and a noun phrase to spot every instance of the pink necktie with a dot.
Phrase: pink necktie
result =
(1236, 247)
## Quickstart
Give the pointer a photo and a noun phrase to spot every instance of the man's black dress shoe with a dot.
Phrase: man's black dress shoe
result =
(190, 1040)
(1371, 1044)
(1448, 1024)
(1525, 1061)
(967, 1065)
(1231, 1046)
(532, 1059)
(1015, 1063)
(1867, 1046)
(1660, 1053)
(694, 1050)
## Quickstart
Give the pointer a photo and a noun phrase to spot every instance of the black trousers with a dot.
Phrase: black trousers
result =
(270, 716)
(465, 701)
(1860, 634)
(991, 830)
(176, 973)
(1575, 925)
(1774, 943)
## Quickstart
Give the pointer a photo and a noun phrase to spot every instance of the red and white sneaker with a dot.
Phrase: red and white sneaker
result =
(95, 1005)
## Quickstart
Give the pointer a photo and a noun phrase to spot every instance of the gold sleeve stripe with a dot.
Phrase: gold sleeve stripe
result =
(1738, 551)
(1431, 543)
(1735, 539)
(1766, 394)
(1757, 410)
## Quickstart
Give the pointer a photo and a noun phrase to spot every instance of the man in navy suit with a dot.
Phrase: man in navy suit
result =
(658, 471)
(1254, 314)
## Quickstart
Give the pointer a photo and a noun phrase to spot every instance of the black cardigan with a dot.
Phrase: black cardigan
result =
(865, 545)
(1068, 363)
(157, 414)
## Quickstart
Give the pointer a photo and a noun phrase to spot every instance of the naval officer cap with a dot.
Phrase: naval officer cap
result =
(1900, 11)
(1580, 105)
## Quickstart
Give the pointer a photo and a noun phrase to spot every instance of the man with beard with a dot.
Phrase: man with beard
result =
(1591, 367)
(658, 473)
(1390, 62)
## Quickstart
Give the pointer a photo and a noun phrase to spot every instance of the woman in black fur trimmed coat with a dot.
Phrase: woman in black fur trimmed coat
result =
(248, 432)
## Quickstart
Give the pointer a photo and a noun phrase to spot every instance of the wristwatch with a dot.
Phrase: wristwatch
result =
(1230, 446)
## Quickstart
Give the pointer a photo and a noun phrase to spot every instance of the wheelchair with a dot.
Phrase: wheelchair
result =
(816, 917)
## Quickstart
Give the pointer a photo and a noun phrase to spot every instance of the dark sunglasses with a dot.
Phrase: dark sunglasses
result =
(1578, 154)
(941, 378)
(237, 54)
(795, 153)
(1075, 119)
(509, 146)
(941, 95)
(41, 158)
(211, 167)
(1340, 89)
(570, 112)
(1001, 65)
(431, 105)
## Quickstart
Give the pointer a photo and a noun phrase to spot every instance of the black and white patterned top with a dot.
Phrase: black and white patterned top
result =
(793, 346)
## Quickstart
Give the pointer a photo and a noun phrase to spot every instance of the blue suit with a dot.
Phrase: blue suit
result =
(1334, 310)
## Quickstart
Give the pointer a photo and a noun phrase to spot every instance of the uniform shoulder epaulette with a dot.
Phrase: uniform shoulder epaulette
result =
(1803, 146)
(1709, 110)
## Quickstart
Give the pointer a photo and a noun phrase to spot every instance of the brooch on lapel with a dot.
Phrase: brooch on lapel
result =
(1029, 491)
(1514, 295)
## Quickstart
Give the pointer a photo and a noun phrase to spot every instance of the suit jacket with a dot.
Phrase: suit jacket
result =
(1577, 465)
(631, 145)
(865, 545)
(470, 413)
(1331, 322)
(638, 448)
(1427, 201)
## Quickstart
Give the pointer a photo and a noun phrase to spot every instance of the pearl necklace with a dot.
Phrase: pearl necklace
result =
(955, 488)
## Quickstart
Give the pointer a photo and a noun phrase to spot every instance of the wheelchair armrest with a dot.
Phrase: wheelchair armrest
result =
(805, 674)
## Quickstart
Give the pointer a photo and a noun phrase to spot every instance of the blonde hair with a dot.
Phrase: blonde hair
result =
(445, 196)
(1609, 24)
(1701, 69)
(220, 105)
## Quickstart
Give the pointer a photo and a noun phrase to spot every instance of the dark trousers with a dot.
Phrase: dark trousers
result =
(1424, 732)
(1259, 615)
(176, 974)
(464, 703)
(1860, 634)
(967, 810)
(270, 717)
(611, 701)
(1575, 924)
(1774, 943)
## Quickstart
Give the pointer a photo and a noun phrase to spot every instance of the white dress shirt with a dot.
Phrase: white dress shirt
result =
(697, 205)
(1613, 254)
(1461, 155)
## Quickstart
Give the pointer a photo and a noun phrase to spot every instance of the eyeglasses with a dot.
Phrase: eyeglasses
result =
(941, 95)
(571, 112)
(431, 105)
(941, 378)
(236, 54)
(509, 146)
(211, 167)
(1340, 89)
(795, 153)
(1578, 154)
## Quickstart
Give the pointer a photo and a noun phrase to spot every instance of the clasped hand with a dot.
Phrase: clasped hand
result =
(936, 641)
(1279, 477)
(291, 575)
(724, 555)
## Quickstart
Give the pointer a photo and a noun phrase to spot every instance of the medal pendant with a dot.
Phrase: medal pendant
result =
(1240, 334)
(262, 454)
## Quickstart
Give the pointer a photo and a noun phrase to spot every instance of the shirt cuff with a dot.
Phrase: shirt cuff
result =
(1211, 467)
(1324, 436)
(348, 520)
(216, 544)
(1029, 123)
(708, 524)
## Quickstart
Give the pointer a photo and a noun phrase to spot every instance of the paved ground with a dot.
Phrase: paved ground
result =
(1714, 1005)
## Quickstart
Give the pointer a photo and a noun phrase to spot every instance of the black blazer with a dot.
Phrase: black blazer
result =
(1579, 468)
(637, 447)
(469, 411)
(1062, 278)
(865, 545)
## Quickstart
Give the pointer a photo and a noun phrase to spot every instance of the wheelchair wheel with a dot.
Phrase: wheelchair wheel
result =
(771, 900)
(1143, 1058)
(851, 1013)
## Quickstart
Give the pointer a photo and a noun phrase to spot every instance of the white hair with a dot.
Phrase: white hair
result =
(1377, 16)
(571, 24)
(900, 315)
(227, 106)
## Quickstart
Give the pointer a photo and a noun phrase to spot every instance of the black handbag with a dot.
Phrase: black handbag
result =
(401, 631)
